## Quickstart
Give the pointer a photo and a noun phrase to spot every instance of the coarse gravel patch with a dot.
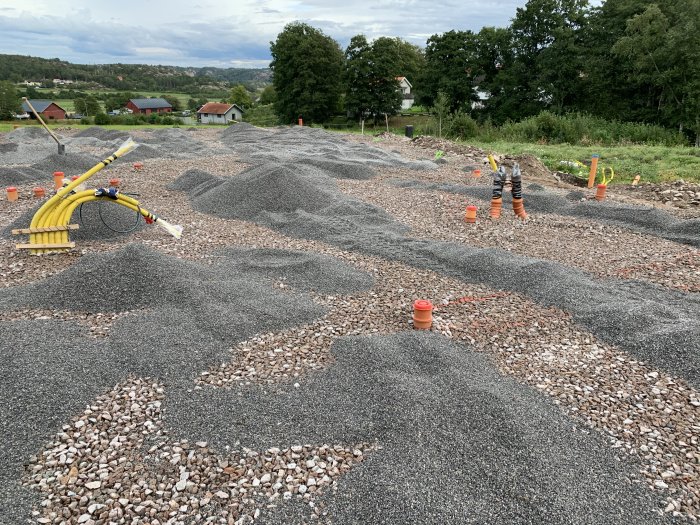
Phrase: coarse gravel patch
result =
(458, 442)
(50, 370)
(650, 221)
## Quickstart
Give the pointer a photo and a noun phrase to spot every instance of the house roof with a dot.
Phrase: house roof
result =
(404, 79)
(39, 105)
(218, 108)
(150, 103)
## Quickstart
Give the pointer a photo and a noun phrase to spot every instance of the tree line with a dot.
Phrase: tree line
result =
(626, 60)
(128, 77)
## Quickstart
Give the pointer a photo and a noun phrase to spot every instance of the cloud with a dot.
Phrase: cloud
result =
(221, 33)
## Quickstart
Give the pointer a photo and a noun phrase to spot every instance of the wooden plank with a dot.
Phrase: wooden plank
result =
(46, 229)
(45, 246)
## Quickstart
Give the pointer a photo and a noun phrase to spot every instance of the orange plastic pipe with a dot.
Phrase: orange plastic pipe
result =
(594, 170)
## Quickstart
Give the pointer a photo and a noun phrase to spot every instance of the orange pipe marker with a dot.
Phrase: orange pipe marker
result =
(12, 194)
(594, 170)
(600, 192)
(422, 314)
(39, 192)
(470, 216)
(58, 179)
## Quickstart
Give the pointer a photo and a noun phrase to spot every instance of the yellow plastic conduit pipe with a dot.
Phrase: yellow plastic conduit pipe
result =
(44, 215)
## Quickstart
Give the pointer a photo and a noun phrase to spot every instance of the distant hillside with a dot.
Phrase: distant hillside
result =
(17, 68)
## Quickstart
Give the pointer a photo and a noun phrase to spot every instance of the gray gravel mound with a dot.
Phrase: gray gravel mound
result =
(194, 181)
(460, 443)
(340, 169)
(103, 134)
(301, 270)
(28, 133)
(137, 277)
(42, 170)
(293, 198)
(299, 144)
(650, 221)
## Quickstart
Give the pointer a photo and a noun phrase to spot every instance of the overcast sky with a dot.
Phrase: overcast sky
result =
(223, 33)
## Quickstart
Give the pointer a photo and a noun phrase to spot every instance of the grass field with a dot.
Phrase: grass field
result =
(652, 163)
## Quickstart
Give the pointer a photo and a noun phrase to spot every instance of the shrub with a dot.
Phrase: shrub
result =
(461, 126)
(102, 119)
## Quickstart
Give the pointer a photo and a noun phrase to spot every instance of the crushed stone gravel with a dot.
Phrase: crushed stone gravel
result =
(646, 414)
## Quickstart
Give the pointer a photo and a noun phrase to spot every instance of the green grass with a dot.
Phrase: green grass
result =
(8, 126)
(652, 163)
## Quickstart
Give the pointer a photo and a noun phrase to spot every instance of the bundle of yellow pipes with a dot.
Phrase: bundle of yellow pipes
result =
(49, 228)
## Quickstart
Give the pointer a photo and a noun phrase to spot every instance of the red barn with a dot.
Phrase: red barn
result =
(47, 109)
(147, 106)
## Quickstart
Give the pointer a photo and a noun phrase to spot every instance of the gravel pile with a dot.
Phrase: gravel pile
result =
(457, 439)
(300, 270)
(136, 277)
(650, 221)
(70, 164)
(284, 145)
(103, 134)
(291, 197)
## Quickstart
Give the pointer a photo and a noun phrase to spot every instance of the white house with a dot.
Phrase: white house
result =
(407, 100)
(219, 113)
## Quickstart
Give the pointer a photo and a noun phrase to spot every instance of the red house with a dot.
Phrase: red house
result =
(47, 109)
(146, 106)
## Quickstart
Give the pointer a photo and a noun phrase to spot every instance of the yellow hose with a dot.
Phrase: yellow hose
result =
(492, 162)
(46, 215)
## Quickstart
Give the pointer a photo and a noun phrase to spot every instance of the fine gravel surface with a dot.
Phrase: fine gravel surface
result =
(305, 271)
(650, 221)
(263, 368)
(459, 443)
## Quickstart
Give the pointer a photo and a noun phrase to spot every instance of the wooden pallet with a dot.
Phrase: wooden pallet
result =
(46, 246)
(44, 229)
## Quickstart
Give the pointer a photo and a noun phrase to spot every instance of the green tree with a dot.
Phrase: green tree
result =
(495, 55)
(358, 79)
(370, 75)
(403, 58)
(268, 95)
(451, 63)
(441, 109)
(9, 101)
(307, 70)
(547, 38)
(173, 101)
(87, 105)
(662, 49)
(239, 95)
